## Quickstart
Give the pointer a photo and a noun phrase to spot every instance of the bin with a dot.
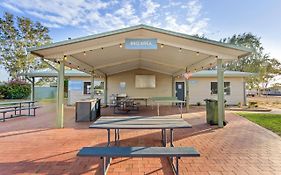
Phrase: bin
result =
(87, 110)
(211, 111)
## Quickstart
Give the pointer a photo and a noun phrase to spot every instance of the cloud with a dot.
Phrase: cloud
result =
(96, 16)
(11, 7)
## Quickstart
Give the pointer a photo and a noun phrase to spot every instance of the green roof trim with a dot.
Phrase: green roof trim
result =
(76, 73)
(141, 26)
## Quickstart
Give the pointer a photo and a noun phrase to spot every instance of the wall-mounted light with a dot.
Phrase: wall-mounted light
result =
(84, 53)
(162, 45)
(120, 45)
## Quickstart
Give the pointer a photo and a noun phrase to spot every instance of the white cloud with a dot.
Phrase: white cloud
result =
(11, 7)
(96, 16)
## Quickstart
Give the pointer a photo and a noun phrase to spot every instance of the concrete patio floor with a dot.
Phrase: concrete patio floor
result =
(31, 145)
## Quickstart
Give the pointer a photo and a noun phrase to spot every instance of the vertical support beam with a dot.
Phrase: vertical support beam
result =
(105, 90)
(173, 86)
(244, 93)
(60, 98)
(32, 89)
(187, 92)
(220, 74)
(92, 90)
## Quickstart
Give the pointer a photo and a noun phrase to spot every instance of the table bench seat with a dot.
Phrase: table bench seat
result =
(109, 152)
(17, 108)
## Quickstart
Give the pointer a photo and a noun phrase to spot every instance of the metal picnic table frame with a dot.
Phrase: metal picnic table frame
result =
(163, 123)
(159, 100)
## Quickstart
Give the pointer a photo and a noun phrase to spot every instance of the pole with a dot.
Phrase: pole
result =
(32, 89)
(92, 90)
(105, 90)
(60, 98)
(187, 92)
(220, 76)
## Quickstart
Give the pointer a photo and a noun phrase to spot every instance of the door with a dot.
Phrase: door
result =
(180, 90)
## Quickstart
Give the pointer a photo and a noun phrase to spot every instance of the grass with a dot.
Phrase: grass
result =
(268, 121)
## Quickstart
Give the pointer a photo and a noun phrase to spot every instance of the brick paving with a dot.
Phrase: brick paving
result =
(32, 145)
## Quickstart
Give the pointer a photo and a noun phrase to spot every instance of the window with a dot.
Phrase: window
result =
(87, 87)
(214, 88)
(98, 88)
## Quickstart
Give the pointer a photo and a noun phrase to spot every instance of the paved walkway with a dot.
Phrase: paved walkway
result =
(33, 146)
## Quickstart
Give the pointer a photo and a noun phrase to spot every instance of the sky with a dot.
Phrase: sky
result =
(214, 19)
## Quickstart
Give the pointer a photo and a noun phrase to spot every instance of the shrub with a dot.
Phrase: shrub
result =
(15, 89)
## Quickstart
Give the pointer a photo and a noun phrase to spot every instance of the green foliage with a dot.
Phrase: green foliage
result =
(16, 35)
(15, 89)
(269, 121)
(258, 62)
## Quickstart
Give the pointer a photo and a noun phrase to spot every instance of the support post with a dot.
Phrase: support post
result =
(220, 74)
(173, 86)
(244, 93)
(92, 90)
(32, 97)
(60, 95)
(186, 92)
(105, 90)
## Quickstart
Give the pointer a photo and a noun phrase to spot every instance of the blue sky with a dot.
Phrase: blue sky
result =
(215, 19)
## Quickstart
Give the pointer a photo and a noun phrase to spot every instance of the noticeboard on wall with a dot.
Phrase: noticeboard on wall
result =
(145, 81)
(75, 85)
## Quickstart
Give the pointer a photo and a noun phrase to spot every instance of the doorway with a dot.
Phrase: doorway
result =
(180, 90)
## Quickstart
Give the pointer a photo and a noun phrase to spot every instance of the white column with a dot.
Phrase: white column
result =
(105, 90)
(60, 95)
(32, 89)
(92, 90)
(173, 86)
(186, 91)
(220, 74)
(244, 93)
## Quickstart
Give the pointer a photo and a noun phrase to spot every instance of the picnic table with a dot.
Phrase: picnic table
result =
(165, 100)
(117, 123)
(139, 122)
(17, 106)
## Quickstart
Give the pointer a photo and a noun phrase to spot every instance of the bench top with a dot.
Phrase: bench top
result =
(140, 122)
(138, 152)
(16, 102)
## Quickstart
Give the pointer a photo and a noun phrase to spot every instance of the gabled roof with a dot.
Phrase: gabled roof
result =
(101, 52)
(141, 26)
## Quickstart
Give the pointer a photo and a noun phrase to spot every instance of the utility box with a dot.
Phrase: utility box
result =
(87, 110)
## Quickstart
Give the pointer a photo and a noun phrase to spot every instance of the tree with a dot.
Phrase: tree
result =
(258, 62)
(16, 35)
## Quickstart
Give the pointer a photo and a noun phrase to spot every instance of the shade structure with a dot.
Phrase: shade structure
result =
(176, 53)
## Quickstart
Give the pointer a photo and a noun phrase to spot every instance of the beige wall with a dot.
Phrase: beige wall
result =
(74, 96)
(200, 89)
(163, 84)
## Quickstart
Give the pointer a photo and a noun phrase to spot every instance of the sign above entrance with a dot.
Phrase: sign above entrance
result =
(140, 43)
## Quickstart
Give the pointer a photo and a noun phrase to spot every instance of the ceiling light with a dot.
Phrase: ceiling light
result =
(120, 45)
(162, 45)
(197, 53)
(102, 48)
(180, 49)
(65, 57)
(78, 67)
(84, 53)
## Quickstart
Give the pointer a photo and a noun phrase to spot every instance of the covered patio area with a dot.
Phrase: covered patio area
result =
(120, 56)
(33, 145)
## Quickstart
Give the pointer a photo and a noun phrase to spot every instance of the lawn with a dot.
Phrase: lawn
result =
(269, 121)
